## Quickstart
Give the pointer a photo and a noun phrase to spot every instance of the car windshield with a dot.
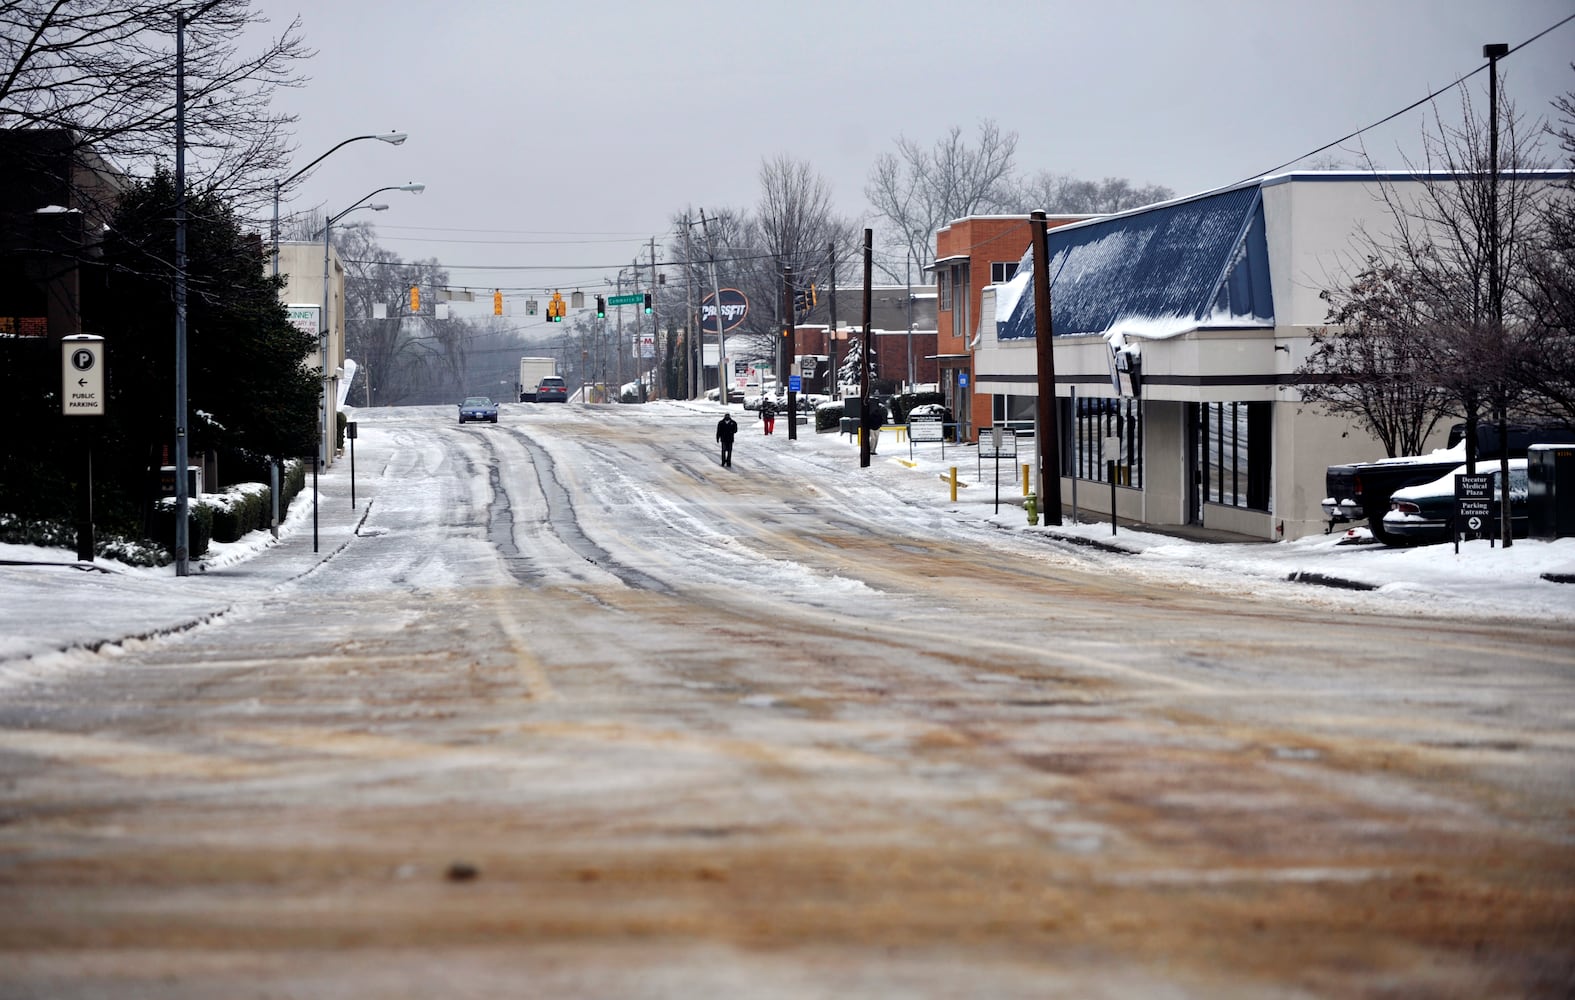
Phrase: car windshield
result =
(477, 401)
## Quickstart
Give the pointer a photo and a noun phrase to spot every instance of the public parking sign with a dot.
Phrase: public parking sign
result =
(82, 376)
(1474, 503)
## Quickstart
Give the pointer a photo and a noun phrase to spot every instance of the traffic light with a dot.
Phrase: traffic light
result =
(648, 303)
(497, 302)
(415, 298)
(601, 308)
(813, 298)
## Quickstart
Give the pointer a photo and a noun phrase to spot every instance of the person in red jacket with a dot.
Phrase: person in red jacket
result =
(768, 413)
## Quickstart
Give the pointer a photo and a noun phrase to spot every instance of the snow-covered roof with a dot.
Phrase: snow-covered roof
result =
(1192, 260)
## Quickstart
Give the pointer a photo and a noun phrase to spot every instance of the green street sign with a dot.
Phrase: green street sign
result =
(625, 300)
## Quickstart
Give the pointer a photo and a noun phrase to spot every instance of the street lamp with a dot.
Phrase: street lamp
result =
(182, 494)
(323, 328)
(392, 138)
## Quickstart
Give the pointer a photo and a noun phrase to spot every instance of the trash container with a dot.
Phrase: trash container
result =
(1550, 496)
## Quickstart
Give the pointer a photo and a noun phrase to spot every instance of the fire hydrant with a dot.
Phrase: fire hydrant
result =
(1031, 505)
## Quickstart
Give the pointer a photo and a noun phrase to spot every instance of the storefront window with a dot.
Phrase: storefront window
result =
(1092, 421)
(1234, 441)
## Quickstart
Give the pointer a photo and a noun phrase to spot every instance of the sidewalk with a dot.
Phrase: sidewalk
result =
(111, 604)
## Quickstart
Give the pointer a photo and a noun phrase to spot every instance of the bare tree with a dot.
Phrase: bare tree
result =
(1372, 364)
(796, 223)
(105, 70)
(409, 357)
(1062, 194)
(917, 190)
(1456, 251)
(1549, 363)
(796, 216)
(1470, 229)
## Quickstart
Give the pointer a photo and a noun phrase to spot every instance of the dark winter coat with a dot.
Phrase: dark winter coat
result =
(726, 429)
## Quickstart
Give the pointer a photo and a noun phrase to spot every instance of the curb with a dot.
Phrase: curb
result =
(1319, 579)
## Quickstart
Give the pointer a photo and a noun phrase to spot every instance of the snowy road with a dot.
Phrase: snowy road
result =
(573, 711)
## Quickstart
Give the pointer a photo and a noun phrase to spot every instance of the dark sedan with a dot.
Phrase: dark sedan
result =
(552, 389)
(478, 408)
(1422, 514)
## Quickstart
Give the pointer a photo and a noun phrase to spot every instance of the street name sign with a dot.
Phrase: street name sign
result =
(625, 300)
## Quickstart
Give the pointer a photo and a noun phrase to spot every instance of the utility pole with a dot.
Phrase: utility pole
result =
(864, 359)
(182, 497)
(656, 332)
(908, 275)
(1049, 433)
(831, 335)
(1493, 52)
(789, 349)
(695, 347)
(721, 336)
(618, 340)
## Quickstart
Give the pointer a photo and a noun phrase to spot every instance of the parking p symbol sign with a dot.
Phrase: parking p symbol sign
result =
(82, 376)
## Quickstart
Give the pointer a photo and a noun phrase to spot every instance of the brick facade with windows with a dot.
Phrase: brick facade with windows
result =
(971, 254)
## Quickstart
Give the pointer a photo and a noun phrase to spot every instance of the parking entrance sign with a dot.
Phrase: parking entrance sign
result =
(1474, 504)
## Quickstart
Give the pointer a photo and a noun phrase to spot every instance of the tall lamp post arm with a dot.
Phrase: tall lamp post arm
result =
(392, 138)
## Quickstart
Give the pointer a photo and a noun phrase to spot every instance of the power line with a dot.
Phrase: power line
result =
(1410, 107)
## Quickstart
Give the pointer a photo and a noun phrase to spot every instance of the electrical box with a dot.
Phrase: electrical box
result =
(194, 481)
(1550, 500)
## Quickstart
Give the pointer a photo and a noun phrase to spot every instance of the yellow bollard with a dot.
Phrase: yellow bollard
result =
(1025, 478)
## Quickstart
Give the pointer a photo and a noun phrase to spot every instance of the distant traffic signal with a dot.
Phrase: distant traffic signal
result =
(497, 302)
(415, 298)
(601, 308)
(648, 303)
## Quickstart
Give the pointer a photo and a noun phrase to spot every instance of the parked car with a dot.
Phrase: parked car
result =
(478, 408)
(552, 389)
(1419, 515)
(1359, 490)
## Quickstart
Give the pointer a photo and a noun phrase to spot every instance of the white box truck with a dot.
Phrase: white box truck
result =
(532, 371)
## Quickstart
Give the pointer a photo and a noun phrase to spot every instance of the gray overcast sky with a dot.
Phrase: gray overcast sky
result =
(560, 137)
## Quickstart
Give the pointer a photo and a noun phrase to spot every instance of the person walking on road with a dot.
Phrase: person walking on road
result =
(768, 413)
(726, 429)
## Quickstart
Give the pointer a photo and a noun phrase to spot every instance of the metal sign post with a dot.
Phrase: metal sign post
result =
(1000, 443)
(1111, 446)
(350, 436)
(82, 395)
(1473, 506)
(926, 429)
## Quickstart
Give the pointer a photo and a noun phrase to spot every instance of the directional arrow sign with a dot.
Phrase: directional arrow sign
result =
(82, 381)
